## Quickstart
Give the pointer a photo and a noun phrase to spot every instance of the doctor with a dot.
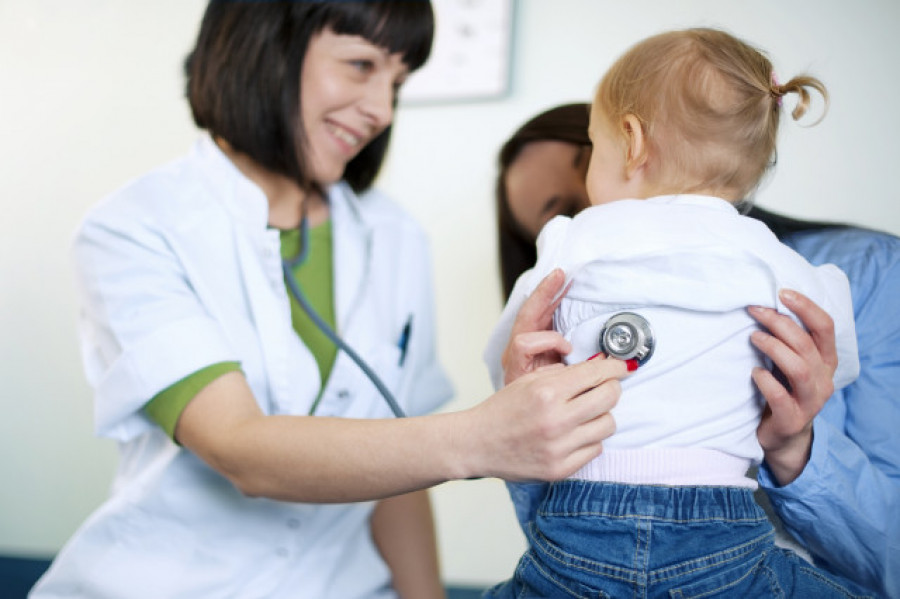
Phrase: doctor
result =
(256, 459)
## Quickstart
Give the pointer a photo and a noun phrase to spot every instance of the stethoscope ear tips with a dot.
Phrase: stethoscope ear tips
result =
(627, 336)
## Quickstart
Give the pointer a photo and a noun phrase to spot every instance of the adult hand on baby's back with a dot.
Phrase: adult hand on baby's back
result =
(533, 344)
(807, 361)
(556, 417)
(553, 421)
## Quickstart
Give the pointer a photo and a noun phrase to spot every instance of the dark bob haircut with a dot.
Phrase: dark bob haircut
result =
(243, 75)
(567, 123)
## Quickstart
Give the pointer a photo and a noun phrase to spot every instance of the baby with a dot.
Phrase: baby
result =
(683, 128)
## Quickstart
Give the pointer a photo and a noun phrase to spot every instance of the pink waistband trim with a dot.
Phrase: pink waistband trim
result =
(673, 466)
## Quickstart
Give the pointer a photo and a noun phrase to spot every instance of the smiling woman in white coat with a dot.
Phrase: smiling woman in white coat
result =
(257, 458)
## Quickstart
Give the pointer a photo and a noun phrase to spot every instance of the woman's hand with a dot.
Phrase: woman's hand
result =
(533, 344)
(549, 419)
(547, 424)
(807, 362)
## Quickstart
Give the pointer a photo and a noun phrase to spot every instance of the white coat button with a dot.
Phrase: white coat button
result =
(343, 394)
(293, 523)
(281, 552)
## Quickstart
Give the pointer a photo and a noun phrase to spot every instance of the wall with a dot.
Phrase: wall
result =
(91, 95)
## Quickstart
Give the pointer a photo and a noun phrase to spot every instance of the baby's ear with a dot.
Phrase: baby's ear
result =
(636, 145)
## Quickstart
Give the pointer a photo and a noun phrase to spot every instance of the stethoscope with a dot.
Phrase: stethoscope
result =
(627, 336)
(288, 267)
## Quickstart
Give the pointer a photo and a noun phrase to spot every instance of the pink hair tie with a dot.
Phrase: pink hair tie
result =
(776, 93)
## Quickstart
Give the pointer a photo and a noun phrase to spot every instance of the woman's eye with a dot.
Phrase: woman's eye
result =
(363, 65)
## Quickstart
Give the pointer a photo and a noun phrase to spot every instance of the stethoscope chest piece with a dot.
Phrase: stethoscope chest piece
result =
(627, 336)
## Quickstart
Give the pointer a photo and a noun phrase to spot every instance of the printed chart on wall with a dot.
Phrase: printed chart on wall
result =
(470, 57)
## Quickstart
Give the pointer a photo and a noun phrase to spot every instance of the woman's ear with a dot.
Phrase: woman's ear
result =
(636, 145)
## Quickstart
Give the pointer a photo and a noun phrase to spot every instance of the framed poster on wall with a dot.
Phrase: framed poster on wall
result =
(470, 58)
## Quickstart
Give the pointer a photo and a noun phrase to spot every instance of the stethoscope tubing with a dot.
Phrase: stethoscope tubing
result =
(294, 288)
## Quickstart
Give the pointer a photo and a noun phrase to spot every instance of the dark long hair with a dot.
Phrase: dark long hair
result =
(243, 75)
(567, 123)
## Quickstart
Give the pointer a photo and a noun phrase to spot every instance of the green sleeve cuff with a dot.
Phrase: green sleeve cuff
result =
(166, 407)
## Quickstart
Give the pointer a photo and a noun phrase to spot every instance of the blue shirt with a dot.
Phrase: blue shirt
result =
(845, 506)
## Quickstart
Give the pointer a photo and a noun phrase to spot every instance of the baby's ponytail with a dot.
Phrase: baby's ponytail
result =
(801, 86)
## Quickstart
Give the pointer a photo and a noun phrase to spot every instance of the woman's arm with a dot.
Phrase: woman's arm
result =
(403, 530)
(842, 504)
(543, 426)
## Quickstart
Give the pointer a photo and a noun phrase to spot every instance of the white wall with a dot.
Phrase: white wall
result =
(91, 95)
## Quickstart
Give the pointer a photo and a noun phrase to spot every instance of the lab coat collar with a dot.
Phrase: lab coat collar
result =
(241, 196)
(352, 234)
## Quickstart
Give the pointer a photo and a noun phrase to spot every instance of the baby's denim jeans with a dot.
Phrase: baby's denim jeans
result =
(593, 539)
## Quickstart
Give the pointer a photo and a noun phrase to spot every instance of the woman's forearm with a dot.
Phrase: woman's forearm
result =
(544, 426)
(314, 459)
(317, 460)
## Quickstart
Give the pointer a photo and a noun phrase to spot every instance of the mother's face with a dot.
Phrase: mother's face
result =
(546, 179)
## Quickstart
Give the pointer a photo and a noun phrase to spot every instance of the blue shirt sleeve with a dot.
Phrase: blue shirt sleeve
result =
(844, 507)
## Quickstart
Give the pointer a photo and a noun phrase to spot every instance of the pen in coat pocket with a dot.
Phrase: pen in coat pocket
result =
(403, 343)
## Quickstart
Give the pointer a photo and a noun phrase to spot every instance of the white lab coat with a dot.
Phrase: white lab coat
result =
(177, 271)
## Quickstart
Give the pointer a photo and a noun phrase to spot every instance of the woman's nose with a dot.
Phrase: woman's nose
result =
(378, 103)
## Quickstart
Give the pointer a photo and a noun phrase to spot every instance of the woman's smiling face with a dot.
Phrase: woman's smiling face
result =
(348, 90)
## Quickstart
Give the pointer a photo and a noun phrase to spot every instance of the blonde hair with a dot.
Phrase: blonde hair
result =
(709, 106)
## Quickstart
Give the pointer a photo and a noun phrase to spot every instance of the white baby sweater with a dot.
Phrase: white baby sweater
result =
(690, 265)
